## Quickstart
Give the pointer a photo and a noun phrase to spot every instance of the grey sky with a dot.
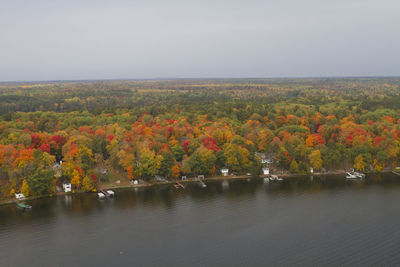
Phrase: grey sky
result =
(54, 39)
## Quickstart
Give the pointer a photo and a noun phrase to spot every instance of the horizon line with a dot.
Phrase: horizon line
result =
(200, 78)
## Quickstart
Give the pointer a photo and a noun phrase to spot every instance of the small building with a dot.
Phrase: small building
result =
(20, 196)
(311, 170)
(200, 177)
(56, 166)
(184, 178)
(266, 171)
(67, 187)
(224, 171)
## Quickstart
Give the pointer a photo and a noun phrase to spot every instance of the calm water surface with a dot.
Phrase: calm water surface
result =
(324, 221)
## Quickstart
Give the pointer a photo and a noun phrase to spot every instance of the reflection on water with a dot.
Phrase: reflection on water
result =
(301, 221)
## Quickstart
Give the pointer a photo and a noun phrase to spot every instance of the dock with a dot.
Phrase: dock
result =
(396, 173)
(105, 193)
(179, 185)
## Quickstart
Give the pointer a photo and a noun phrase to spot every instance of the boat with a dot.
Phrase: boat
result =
(24, 206)
(110, 193)
(275, 178)
(350, 175)
(101, 195)
(359, 174)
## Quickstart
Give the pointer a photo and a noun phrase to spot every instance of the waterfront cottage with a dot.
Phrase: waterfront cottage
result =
(224, 171)
(67, 187)
(266, 171)
(19, 196)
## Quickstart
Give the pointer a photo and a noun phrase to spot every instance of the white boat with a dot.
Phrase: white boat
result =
(110, 193)
(101, 195)
(359, 174)
(351, 176)
(274, 178)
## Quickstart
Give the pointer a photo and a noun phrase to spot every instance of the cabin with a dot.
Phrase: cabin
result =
(311, 170)
(67, 187)
(224, 171)
(265, 158)
(200, 177)
(266, 171)
(183, 178)
(160, 179)
(20, 196)
(56, 166)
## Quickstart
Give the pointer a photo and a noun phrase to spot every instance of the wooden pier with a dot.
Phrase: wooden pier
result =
(179, 185)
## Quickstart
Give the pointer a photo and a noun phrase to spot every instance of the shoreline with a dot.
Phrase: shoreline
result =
(286, 175)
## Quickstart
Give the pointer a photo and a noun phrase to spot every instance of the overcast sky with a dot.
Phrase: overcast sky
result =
(64, 40)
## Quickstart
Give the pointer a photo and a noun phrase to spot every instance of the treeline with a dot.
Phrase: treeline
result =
(174, 128)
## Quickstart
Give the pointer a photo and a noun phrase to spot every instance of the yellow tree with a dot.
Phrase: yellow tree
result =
(76, 180)
(315, 159)
(359, 163)
(88, 184)
(237, 157)
(378, 167)
(25, 188)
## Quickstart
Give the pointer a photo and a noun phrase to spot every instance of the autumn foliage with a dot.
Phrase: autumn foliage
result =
(91, 133)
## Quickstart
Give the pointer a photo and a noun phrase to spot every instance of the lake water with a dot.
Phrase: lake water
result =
(296, 222)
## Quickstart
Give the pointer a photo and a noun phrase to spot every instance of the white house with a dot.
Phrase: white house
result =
(225, 171)
(19, 196)
(266, 171)
(311, 170)
(67, 187)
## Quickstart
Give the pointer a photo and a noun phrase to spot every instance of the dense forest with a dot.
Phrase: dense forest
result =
(90, 132)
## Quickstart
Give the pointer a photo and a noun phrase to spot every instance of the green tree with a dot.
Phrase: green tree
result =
(166, 164)
(41, 181)
(178, 152)
(294, 167)
(202, 161)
